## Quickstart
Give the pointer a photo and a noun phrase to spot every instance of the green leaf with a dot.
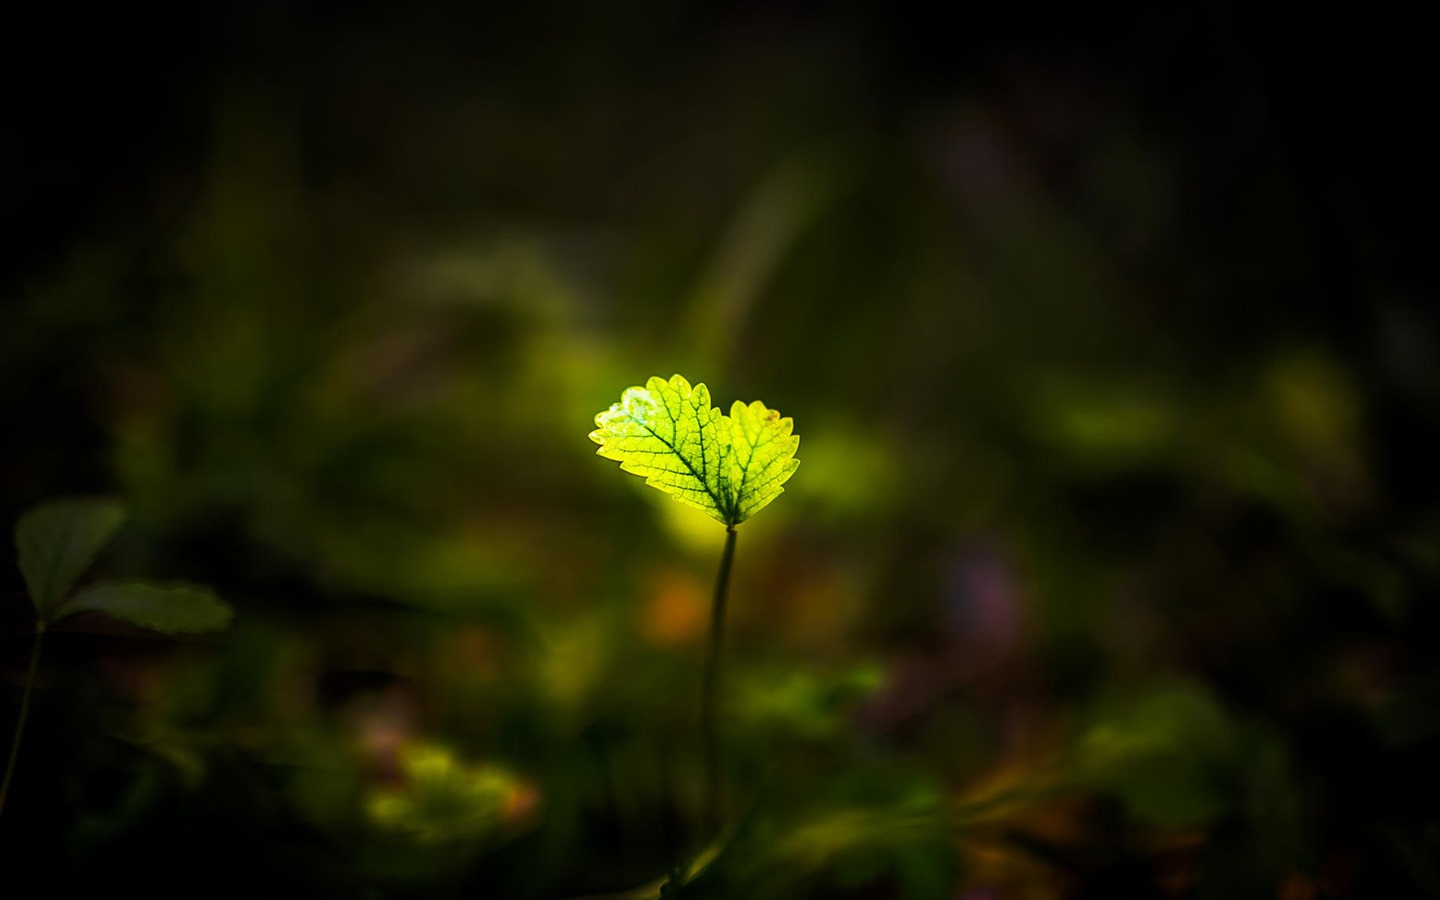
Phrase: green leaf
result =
(169, 609)
(762, 457)
(57, 541)
(728, 466)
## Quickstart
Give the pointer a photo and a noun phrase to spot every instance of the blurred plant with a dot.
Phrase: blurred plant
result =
(56, 542)
(443, 800)
(805, 704)
(729, 467)
(896, 845)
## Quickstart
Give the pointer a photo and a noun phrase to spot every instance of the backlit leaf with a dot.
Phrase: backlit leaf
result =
(57, 541)
(169, 609)
(762, 456)
(728, 466)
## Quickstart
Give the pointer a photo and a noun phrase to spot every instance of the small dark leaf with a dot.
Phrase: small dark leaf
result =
(170, 609)
(57, 541)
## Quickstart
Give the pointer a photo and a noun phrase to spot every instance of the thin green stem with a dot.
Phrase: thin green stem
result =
(24, 714)
(710, 805)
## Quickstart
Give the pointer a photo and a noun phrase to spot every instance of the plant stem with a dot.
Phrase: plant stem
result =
(710, 806)
(24, 713)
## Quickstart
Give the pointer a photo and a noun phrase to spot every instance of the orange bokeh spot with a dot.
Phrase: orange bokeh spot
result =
(674, 612)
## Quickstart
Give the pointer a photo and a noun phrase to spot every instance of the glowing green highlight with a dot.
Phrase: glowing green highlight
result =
(667, 432)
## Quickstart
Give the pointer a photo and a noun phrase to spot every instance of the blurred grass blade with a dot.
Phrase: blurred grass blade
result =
(57, 541)
(169, 609)
(765, 230)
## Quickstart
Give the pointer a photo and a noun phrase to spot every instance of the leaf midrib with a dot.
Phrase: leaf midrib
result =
(719, 507)
(754, 446)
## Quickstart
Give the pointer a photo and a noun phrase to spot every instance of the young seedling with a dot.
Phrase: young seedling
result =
(56, 542)
(729, 467)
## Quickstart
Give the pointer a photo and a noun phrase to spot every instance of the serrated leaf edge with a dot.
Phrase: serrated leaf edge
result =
(727, 498)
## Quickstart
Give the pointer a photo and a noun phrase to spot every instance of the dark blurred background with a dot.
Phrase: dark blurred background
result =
(1110, 569)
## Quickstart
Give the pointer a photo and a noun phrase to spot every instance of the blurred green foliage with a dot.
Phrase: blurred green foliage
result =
(1111, 570)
